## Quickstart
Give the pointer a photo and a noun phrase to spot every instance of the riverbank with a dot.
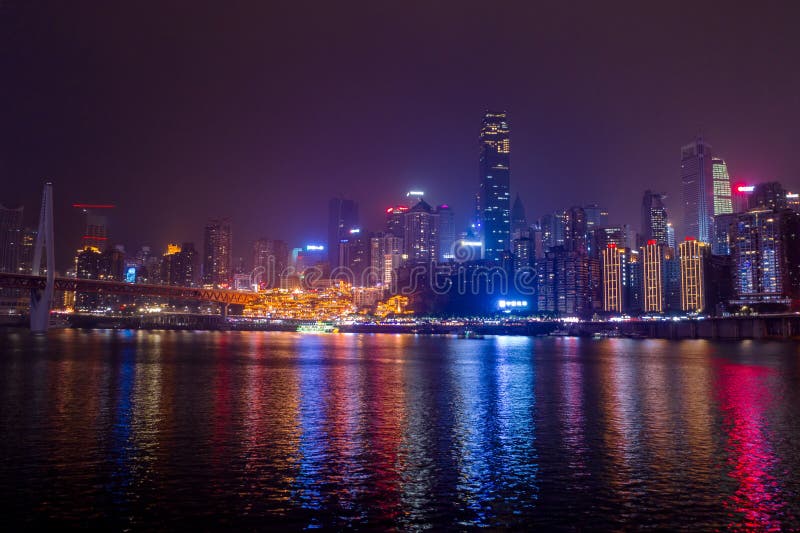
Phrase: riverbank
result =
(786, 327)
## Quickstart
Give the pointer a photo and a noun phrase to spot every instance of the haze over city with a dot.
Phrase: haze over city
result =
(179, 112)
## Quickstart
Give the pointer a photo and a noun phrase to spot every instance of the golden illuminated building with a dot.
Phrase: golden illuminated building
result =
(395, 305)
(652, 286)
(173, 249)
(612, 278)
(692, 254)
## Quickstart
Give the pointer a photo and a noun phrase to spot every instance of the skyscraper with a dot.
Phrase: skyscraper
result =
(495, 198)
(612, 261)
(652, 271)
(447, 232)
(723, 204)
(654, 217)
(765, 246)
(10, 238)
(564, 283)
(769, 195)
(692, 256)
(271, 255)
(519, 221)
(342, 217)
(421, 233)
(386, 252)
(576, 231)
(217, 253)
(696, 178)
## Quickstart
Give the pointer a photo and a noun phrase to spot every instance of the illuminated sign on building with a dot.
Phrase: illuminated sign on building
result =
(130, 275)
(512, 304)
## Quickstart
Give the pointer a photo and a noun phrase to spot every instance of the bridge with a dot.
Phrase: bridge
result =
(41, 288)
(39, 283)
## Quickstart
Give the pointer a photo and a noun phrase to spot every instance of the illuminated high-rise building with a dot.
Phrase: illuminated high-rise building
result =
(575, 230)
(564, 283)
(180, 265)
(722, 187)
(552, 226)
(621, 279)
(652, 271)
(524, 251)
(26, 252)
(671, 235)
(793, 201)
(217, 253)
(720, 243)
(447, 232)
(697, 189)
(421, 233)
(692, 256)
(386, 256)
(495, 196)
(612, 265)
(740, 197)
(672, 280)
(769, 195)
(11, 236)
(596, 217)
(616, 235)
(765, 246)
(354, 258)
(272, 256)
(342, 217)
(654, 217)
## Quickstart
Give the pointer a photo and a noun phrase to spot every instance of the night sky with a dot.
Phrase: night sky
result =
(181, 111)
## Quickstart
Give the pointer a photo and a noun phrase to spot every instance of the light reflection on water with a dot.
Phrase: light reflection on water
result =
(169, 429)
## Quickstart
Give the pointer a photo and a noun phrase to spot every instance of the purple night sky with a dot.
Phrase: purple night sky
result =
(262, 111)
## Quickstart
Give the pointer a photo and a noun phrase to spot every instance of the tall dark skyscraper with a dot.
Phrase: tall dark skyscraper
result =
(342, 217)
(576, 232)
(769, 195)
(10, 238)
(495, 198)
(217, 253)
(654, 217)
(697, 188)
(273, 256)
(447, 232)
(519, 220)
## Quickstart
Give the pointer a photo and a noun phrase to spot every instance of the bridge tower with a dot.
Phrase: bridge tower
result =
(42, 298)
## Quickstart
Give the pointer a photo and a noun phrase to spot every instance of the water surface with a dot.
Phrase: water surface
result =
(159, 430)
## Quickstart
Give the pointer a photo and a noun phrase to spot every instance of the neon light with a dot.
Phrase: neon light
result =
(94, 206)
(354, 231)
(746, 188)
(689, 239)
(612, 245)
(314, 247)
(471, 243)
(651, 241)
(444, 206)
(792, 195)
(415, 193)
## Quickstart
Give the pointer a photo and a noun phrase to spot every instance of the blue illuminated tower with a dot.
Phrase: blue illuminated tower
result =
(495, 198)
